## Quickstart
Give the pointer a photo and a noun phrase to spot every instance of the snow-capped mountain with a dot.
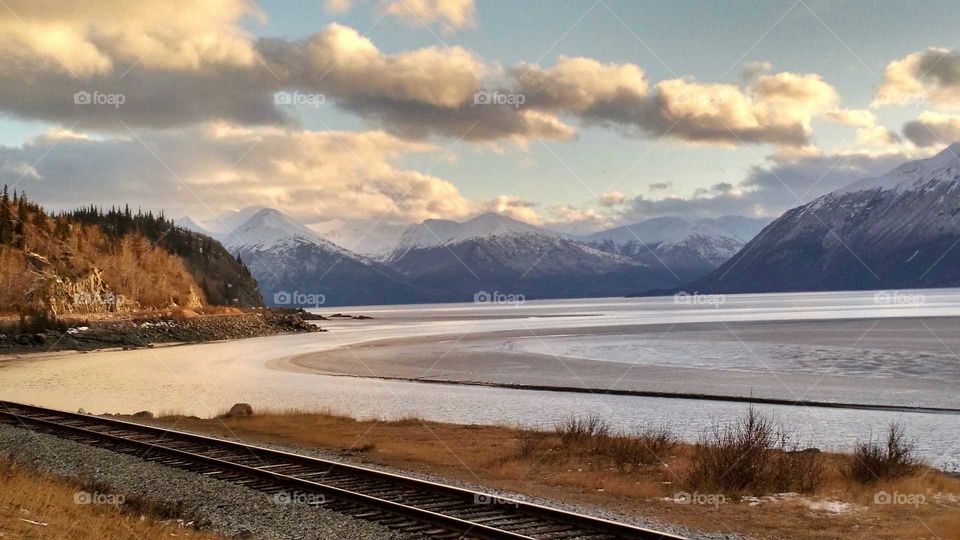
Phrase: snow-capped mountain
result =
(439, 232)
(371, 238)
(496, 253)
(272, 229)
(188, 223)
(294, 266)
(897, 230)
(680, 244)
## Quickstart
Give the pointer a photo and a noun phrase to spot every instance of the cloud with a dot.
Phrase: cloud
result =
(933, 129)
(450, 14)
(773, 109)
(515, 207)
(659, 186)
(868, 132)
(611, 198)
(208, 168)
(769, 189)
(95, 37)
(211, 69)
(933, 74)
(852, 117)
(417, 93)
(752, 70)
(337, 6)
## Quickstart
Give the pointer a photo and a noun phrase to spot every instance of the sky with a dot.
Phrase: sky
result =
(571, 115)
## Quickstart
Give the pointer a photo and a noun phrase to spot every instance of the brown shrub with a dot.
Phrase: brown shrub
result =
(878, 459)
(752, 454)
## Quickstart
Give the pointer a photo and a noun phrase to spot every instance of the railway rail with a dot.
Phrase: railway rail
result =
(410, 506)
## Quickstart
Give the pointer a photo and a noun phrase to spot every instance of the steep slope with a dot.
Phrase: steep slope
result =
(497, 253)
(90, 261)
(295, 267)
(895, 231)
(691, 248)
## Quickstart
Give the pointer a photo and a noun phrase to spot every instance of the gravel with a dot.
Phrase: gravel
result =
(356, 459)
(229, 509)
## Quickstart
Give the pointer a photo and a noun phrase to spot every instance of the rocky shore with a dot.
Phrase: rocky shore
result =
(146, 331)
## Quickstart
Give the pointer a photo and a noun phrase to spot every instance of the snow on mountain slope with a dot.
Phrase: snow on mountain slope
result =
(188, 223)
(269, 228)
(914, 175)
(679, 242)
(893, 231)
(371, 238)
(228, 221)
(438, 232)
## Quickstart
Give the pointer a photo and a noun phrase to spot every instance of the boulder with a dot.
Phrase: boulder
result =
(143, 414)
(240, 410)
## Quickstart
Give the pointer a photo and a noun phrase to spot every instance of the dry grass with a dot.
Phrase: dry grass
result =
(633, 473)
(34, 505)
(753, 455)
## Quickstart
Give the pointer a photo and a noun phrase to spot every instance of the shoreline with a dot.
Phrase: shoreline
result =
(664, 395)
(498, 360)
(153, 330)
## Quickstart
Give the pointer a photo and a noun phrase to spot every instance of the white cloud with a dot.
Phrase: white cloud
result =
(450, 14)
(310, 174)
(933, 129)
(611, 198)
(932, 74)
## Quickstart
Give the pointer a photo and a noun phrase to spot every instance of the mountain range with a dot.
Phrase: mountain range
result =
(445, 261)
(687, 247)
(898, 230)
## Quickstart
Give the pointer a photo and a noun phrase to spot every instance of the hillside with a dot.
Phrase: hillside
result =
(898, 230)
(90, 261)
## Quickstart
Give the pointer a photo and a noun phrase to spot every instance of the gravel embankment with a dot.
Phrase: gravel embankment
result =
(231, 510)
(583, 509)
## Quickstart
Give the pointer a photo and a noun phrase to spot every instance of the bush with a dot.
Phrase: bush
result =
(753, 454)
(628, 453)
(529, 442)
(876, 459)
(575, 430)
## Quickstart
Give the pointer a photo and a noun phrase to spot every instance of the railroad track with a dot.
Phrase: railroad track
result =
(413, 507)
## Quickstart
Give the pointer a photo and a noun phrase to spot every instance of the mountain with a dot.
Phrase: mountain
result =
(687, 247)
(371, 238)
(295, 267)
(496, 253)
(898, 230)
(186, 222)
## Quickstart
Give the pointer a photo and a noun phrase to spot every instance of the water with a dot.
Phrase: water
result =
(205, 379)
